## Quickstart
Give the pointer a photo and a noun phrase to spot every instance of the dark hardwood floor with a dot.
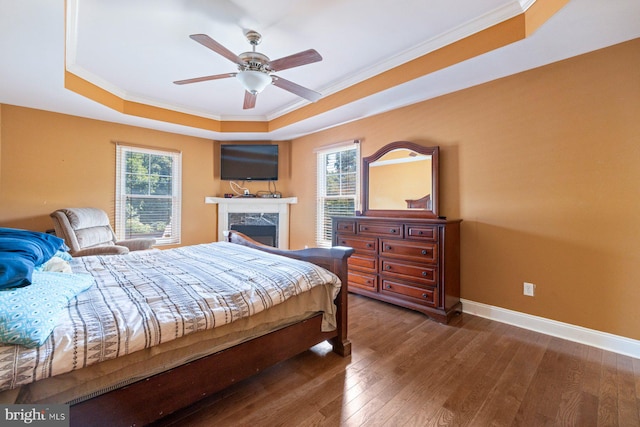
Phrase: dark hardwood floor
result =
(407, 370)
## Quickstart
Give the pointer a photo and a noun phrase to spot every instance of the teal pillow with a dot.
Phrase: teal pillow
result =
(29, 314)
(64, 255)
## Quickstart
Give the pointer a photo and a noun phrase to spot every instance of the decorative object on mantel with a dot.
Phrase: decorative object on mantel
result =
(251, 206)
(405, 253)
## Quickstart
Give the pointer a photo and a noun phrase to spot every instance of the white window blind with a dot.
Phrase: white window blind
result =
(338, 186)
(148, 194)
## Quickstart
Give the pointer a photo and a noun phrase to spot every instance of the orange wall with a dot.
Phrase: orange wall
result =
(51, 161)
(544, 169)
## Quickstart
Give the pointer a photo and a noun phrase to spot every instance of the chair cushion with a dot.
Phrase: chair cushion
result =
(80, 218)
(95, 236)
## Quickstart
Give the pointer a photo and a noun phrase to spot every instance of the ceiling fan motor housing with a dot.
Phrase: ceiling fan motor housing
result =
(254, 61)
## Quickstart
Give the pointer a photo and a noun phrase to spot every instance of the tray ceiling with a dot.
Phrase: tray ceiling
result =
(116, 60)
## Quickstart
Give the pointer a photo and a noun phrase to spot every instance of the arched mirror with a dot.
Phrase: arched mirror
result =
(401, 179)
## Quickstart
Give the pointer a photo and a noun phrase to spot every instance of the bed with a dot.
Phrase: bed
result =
(167, 343)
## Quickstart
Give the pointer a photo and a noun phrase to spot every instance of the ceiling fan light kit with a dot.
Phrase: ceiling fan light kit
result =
(254, 82)
(255, 69)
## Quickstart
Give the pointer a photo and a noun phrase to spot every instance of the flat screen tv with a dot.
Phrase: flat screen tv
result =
(239, 162)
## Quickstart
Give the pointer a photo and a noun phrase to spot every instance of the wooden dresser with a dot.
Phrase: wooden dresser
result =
(410, 262)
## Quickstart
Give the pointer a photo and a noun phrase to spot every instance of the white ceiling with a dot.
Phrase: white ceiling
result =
(137, 48)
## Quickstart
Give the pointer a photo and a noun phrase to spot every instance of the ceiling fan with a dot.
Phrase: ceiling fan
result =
(255, 69)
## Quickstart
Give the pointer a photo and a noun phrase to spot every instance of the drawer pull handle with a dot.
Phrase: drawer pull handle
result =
(387, 267)
(368, 245)
(364, 228)
(424, 296)
(424, 273)
(393, 230)
(420, 232)
(388, 247)
(424, 252)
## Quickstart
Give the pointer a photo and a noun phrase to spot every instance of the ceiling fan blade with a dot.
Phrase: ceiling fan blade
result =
(205, 78)
(249, 100)
(207, 41)
(296, 89)
(295, 60)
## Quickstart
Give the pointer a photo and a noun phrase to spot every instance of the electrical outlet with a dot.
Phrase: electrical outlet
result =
(529, 289)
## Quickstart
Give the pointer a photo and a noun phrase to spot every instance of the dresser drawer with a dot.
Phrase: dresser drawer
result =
(363, 263)
(346, 226)
(423, 274)
(422, 232)
(380, 229)
(359, 244)
(425, 295)
(416, 251)
(362, 280)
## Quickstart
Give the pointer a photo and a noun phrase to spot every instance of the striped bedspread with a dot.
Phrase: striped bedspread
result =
(150, 297)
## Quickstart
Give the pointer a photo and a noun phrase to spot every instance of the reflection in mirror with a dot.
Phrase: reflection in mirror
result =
(402, 180)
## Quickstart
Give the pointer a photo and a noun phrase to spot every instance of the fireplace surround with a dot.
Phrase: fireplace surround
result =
(255, 211)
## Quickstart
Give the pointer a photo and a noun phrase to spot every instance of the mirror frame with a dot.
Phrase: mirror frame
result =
(411, 213)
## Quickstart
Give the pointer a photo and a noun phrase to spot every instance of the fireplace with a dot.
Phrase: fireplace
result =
(265, 234)
(262, 227)
(259, 212)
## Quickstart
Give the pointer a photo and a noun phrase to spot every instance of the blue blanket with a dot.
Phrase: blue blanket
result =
(21, 251)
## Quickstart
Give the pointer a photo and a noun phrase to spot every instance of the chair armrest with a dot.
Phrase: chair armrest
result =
(137, 244)
(102, 250)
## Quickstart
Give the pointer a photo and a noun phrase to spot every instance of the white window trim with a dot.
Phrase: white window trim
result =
(321, 180)
(176, 216)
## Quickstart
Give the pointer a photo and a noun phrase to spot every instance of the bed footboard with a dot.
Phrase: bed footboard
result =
(333, 259)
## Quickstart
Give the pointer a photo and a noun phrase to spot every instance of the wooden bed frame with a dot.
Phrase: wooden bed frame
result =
(150, 399)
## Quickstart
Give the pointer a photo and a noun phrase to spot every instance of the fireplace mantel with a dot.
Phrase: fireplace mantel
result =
(254, 205)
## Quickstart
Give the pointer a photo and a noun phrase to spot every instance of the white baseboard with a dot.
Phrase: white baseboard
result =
(603, 340)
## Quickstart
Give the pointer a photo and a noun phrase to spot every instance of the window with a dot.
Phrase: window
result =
(338, 185)
(148, 194)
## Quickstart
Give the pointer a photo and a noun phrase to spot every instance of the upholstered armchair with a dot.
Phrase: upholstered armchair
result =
(87, 232)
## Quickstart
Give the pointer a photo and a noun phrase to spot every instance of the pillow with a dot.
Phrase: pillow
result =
(29, 314)
(58, 262)
(64, 254)
(21, 251)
